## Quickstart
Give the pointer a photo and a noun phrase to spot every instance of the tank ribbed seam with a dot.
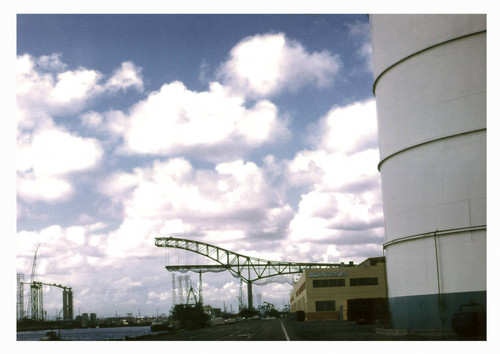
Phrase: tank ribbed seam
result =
(425, 143)
(417, 53)
(434, 234)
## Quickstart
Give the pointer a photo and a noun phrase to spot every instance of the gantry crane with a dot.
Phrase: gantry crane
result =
(244, 267)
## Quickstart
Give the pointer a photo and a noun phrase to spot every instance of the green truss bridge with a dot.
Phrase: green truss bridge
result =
(249, 269)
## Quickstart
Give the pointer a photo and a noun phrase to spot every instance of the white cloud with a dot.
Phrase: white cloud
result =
(345, 150)
(56, 152)
(342, 202)
(45, 160)
(334, 171)
(46, 87)
(76, 234)
(128, 75)
(210, 124)
(113, 124)
(49, 189)
(43, 85)
(234, 201)
(91, 119)
(235, 205)
(47, 154)
(264, 65)
(349, 129)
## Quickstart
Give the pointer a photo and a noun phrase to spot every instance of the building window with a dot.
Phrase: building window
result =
(325, 305)
(328, 283)
(363, 281)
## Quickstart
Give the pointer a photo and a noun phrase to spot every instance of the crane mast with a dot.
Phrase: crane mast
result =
(36, 293)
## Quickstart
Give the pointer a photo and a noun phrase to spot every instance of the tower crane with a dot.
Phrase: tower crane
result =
(36, 295)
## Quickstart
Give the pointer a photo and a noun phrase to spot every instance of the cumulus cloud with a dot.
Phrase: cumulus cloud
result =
(348, 129)
(264, 65)
(46, 159)
(232, 202)
(211, 124)
(235, 205)
(48, 154)
(128, 75)
(46, 85)
(342, 202)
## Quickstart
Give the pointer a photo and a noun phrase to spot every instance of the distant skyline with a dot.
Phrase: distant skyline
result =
(255, 133)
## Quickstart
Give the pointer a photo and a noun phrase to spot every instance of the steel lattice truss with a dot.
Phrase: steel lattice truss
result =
(245, 267)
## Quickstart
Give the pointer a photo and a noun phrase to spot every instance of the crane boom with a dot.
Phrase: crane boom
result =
(33, 268)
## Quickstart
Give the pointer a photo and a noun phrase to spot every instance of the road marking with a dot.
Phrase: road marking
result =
(284, 331)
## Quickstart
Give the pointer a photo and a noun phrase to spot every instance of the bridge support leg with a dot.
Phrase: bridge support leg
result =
(250, 295)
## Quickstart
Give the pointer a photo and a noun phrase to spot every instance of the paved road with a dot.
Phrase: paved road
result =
(283, 329)
(260, 330)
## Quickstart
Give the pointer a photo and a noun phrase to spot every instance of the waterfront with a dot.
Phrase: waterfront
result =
(89, 334)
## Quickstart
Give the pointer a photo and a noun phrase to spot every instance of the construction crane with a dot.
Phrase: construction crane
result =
(36, 295)
(250, 269)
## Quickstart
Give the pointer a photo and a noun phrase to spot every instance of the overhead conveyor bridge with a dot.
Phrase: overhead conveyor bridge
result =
(249, 269)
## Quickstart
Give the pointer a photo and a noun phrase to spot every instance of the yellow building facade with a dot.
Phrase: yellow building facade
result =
(324, 293)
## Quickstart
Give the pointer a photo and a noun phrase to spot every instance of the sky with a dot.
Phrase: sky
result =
(254, 133)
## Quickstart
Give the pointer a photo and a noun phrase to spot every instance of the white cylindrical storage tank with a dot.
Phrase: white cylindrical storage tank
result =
(430, 89)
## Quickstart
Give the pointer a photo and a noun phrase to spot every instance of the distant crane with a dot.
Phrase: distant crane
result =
(249, 269)
(36, 295)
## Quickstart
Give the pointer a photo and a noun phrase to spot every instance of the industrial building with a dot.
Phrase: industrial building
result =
(430, 90)
(324, 293)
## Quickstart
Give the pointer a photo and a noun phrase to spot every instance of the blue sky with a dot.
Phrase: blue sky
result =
(256, 133)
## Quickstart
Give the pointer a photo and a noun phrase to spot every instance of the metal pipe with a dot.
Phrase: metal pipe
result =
(438, 280)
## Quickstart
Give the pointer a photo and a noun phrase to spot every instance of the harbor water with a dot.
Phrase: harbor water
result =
(89, 334)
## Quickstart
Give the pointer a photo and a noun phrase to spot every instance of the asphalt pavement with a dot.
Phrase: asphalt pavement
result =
(289, 329)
